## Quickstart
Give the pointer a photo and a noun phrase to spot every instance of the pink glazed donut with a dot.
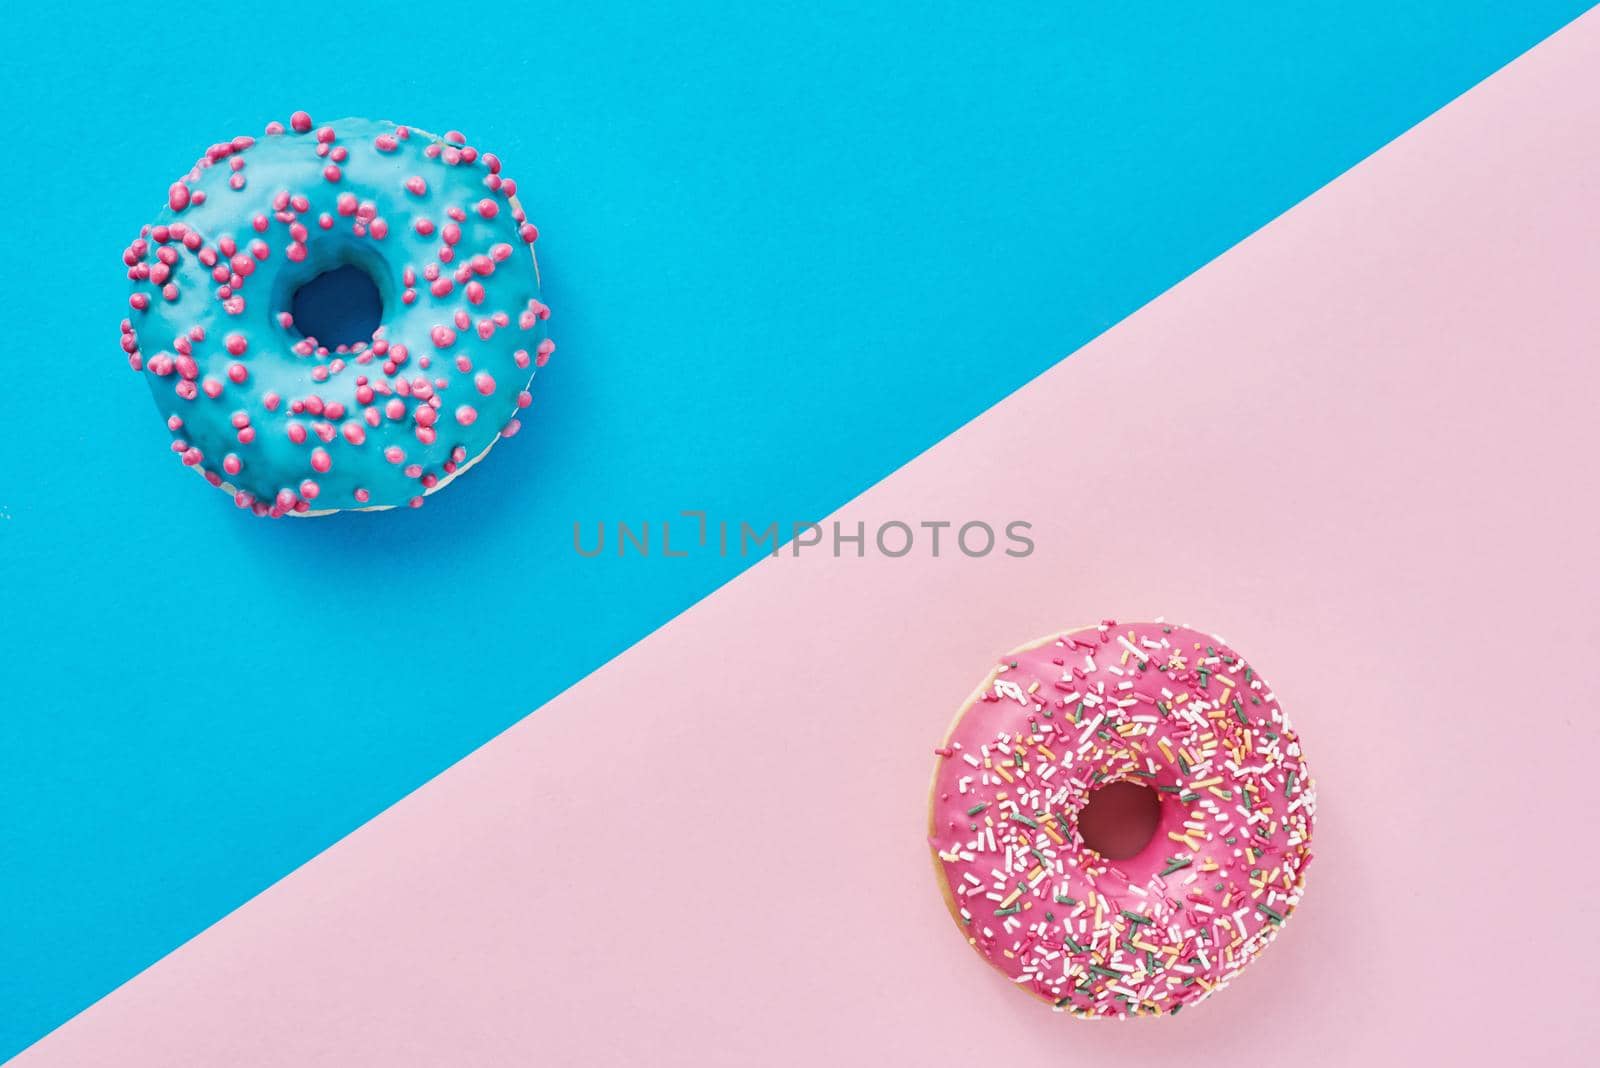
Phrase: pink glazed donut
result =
(1231, 802)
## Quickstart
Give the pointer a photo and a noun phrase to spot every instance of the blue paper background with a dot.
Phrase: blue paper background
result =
(786, 250)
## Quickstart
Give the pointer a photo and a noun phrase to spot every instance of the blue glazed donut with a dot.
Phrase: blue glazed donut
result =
(402, 250)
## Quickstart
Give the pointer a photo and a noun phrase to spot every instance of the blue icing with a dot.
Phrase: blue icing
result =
(358, 454)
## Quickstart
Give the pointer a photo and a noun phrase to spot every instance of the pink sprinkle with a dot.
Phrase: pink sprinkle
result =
(346, 204)
(321, 461)
(274, 127)
(300, 122)
(386, 143)
(416, 186)
(362, 496)
(394, 454)
(443, 337)
(354, 432)
(235, 344)
(309, 490)
(332, 172)
(395, 408)
(272, 400)
(528, 232)
(425, 415)
(297, 433)
(232, 464)
(488, 208)
(484, 381)
(451, 233)
(238, 374)
(466, 415)
(178, 196)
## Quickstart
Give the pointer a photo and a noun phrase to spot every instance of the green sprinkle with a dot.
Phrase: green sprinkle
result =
(1176, 864)
(1106, 972)
(1272, 913)
(1020, 818)
(1134, 917)
(1063, 899)
(1008, 912)
(975, 809)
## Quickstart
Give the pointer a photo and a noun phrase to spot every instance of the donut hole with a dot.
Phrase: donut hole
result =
(1119, 819)
(340, 306)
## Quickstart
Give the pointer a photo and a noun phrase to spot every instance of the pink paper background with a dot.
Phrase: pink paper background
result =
(1361, 446)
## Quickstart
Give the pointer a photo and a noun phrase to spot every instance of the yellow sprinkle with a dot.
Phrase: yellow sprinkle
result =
(1002, 773)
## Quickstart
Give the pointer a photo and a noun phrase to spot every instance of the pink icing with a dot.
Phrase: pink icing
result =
(1165, 706)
